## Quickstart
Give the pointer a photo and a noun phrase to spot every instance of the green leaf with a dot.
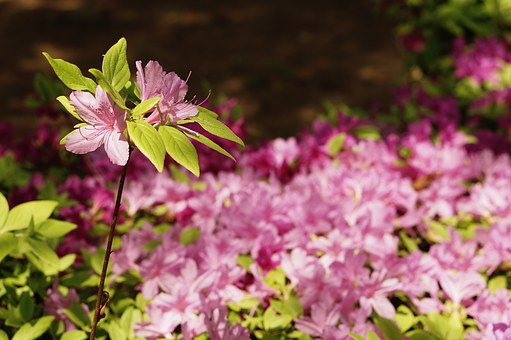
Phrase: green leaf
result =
(11, 173)
(19, 217)
(105, 85)
(3, 335)
(496, 283)
(115, 65)
(404, 318)
(66, 261)
(30, 331)
(129, 317)
(210, 144)
(70, 74)
(189, 236)
(147, 139)
(180, 148)
(367, 132)
(419, 335)
(275, 279)
(145, 106)
(215, 127)
(356, 336)
(4, 210)
(45, 258)
(372, 335)
(335, 143)
(115, 331)
(77, 315)
(26, 307)
(97, 259)
(69, 108)
(74, 335)
(54, 228)
(272, 319)
(388, 329)
(245, 261)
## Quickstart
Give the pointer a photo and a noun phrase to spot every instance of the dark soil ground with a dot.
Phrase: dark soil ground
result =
(281, 59)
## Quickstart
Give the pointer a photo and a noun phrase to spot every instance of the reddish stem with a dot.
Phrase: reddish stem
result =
(100, 307)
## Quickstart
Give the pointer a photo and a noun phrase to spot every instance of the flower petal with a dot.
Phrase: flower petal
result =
(174, 88)
(86, 106)
(149, 79)
(83, 140)
(117, 148)
(182, 111)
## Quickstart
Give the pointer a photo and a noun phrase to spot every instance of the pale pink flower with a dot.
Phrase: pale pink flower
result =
(461, 287)
(105, 126)
(154, 82)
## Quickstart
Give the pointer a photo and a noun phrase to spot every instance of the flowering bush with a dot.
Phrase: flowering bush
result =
(363, 227)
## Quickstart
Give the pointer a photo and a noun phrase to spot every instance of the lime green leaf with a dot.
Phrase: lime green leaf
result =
(210, 144)
(388, 329)
(19, 217)
(97, 259)
(437, 231)
(4, 210)
(180, 148)
(245, 261)
(145, 106)
(115, 331)
(335, 143)
(3, 335)
(70, 74)
(30, 331)
(367, 132)
(372, 335)
(54, 228)
(66, 261)
(105, 85)
(115, 65)
(207, 112)
(356, 336)
(215, 127)
(74, 335)
(189, 236)
(272, 319)
(404, 318)
(496, 283)
(8, 242)
(45, 258)
(419, 335)
(69, 108)
(147, 139)
(129, 317)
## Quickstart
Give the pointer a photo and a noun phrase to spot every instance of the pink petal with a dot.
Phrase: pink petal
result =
(83, 140)
(182, 111)
(383, 307)
(86, 106)
(174, 88)
(149, 79)
(117, 148)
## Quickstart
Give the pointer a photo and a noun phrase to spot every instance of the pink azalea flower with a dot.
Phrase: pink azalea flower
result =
(460, 287)
(154, 82)
(105, 125)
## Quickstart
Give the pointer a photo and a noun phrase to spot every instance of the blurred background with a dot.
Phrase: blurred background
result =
(282, 60)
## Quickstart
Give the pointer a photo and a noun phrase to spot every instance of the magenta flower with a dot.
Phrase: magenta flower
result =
(154, 82)
(105, 125)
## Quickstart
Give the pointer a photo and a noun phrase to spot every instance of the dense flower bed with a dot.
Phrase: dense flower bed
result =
(393, 225)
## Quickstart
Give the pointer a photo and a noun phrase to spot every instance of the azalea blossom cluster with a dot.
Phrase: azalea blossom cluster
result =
(337, 226)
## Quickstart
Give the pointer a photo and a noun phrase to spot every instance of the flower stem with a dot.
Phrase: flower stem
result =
(99, 311)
